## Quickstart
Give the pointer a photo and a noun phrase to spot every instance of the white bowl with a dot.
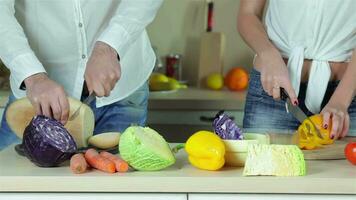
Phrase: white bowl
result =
(236, 150)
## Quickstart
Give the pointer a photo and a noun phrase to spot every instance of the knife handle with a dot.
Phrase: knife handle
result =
(284, 95)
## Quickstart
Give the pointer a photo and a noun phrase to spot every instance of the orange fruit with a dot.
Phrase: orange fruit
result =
(237, 79)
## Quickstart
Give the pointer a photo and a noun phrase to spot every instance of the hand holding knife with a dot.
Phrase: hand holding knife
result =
(297, 112)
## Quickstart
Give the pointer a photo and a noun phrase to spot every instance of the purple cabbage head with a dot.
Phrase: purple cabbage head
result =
(226, 128)
(47, 143)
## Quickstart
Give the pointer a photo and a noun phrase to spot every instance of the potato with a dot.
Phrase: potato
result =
(105, 140)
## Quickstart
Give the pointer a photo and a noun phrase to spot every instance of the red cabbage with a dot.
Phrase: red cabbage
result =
(47, 143)
(226, 128)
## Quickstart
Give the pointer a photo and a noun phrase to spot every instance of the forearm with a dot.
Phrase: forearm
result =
(15, 51)
(253, 32)
(346, 89)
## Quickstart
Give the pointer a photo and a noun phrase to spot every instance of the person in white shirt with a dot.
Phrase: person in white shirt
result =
(307, 48)
(56, 49)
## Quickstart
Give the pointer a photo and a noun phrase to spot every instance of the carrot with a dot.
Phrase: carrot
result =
(78, 164)
(121, 165)
(95, 160)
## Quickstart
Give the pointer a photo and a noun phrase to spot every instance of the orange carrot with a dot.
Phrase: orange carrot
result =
(121, 165)
(78, 164)
(95, 160)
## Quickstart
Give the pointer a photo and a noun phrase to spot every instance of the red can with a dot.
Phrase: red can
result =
(173, 66)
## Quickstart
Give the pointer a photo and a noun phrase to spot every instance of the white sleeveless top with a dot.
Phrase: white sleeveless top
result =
(320, 30)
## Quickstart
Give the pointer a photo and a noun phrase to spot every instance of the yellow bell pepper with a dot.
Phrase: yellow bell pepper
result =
(206, 150)
(308, 138)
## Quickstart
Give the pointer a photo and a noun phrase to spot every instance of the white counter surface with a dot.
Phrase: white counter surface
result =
(17, 174)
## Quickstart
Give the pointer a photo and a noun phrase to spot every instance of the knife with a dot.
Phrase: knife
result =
(297, 112)
(86, 101)
(19, 148)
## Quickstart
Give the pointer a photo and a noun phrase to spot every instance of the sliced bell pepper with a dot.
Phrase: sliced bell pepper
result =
(308, 138)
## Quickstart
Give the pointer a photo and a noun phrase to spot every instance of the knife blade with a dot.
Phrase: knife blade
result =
(86, 101)
(297, 112)
(19, 148)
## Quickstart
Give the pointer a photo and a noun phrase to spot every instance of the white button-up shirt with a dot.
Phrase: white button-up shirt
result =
(57, 37)
(321, 30)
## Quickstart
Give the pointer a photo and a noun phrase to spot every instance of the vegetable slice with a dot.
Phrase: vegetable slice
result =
(144, 149)
(274, 160)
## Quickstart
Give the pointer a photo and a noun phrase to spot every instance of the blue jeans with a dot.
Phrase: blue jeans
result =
(114, 117)
(264, 114)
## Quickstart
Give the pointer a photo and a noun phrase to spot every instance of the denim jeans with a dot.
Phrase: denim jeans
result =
(264, 114)
(114, 117)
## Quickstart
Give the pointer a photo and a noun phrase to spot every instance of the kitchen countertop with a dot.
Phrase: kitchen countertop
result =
(17, 174)
(195, 98)
(190, 98)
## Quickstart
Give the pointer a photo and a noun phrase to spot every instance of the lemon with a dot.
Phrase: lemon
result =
(158, 77)
(215, 81)
(160, 82)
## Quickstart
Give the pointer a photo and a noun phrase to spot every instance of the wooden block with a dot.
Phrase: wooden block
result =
(211, 56)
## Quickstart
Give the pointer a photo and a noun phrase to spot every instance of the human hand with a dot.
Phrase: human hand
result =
(274, 75)
(335, 114)
(47, 97)
(103, 70)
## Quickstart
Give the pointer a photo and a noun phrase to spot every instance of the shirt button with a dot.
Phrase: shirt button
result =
(83, 56)
(80, 25)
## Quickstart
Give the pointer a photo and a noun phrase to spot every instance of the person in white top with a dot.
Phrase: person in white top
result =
(56, 49)
(307, 48)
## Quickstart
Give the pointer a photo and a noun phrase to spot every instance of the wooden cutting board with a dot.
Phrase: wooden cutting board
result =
(20, 113)
(327, 152)
(211, 57)
(212, 47)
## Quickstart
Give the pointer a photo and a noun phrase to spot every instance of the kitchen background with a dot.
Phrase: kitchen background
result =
(178, 29)
(179, 25)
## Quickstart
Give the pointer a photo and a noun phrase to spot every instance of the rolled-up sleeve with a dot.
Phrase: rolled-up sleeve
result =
(15, 51)
(128, 23)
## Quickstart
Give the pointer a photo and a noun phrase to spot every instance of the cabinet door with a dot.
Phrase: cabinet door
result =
(92, 196)
(267, 197)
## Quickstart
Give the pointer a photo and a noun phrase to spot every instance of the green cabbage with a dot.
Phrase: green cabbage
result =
(144, 149)
(274, 160)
